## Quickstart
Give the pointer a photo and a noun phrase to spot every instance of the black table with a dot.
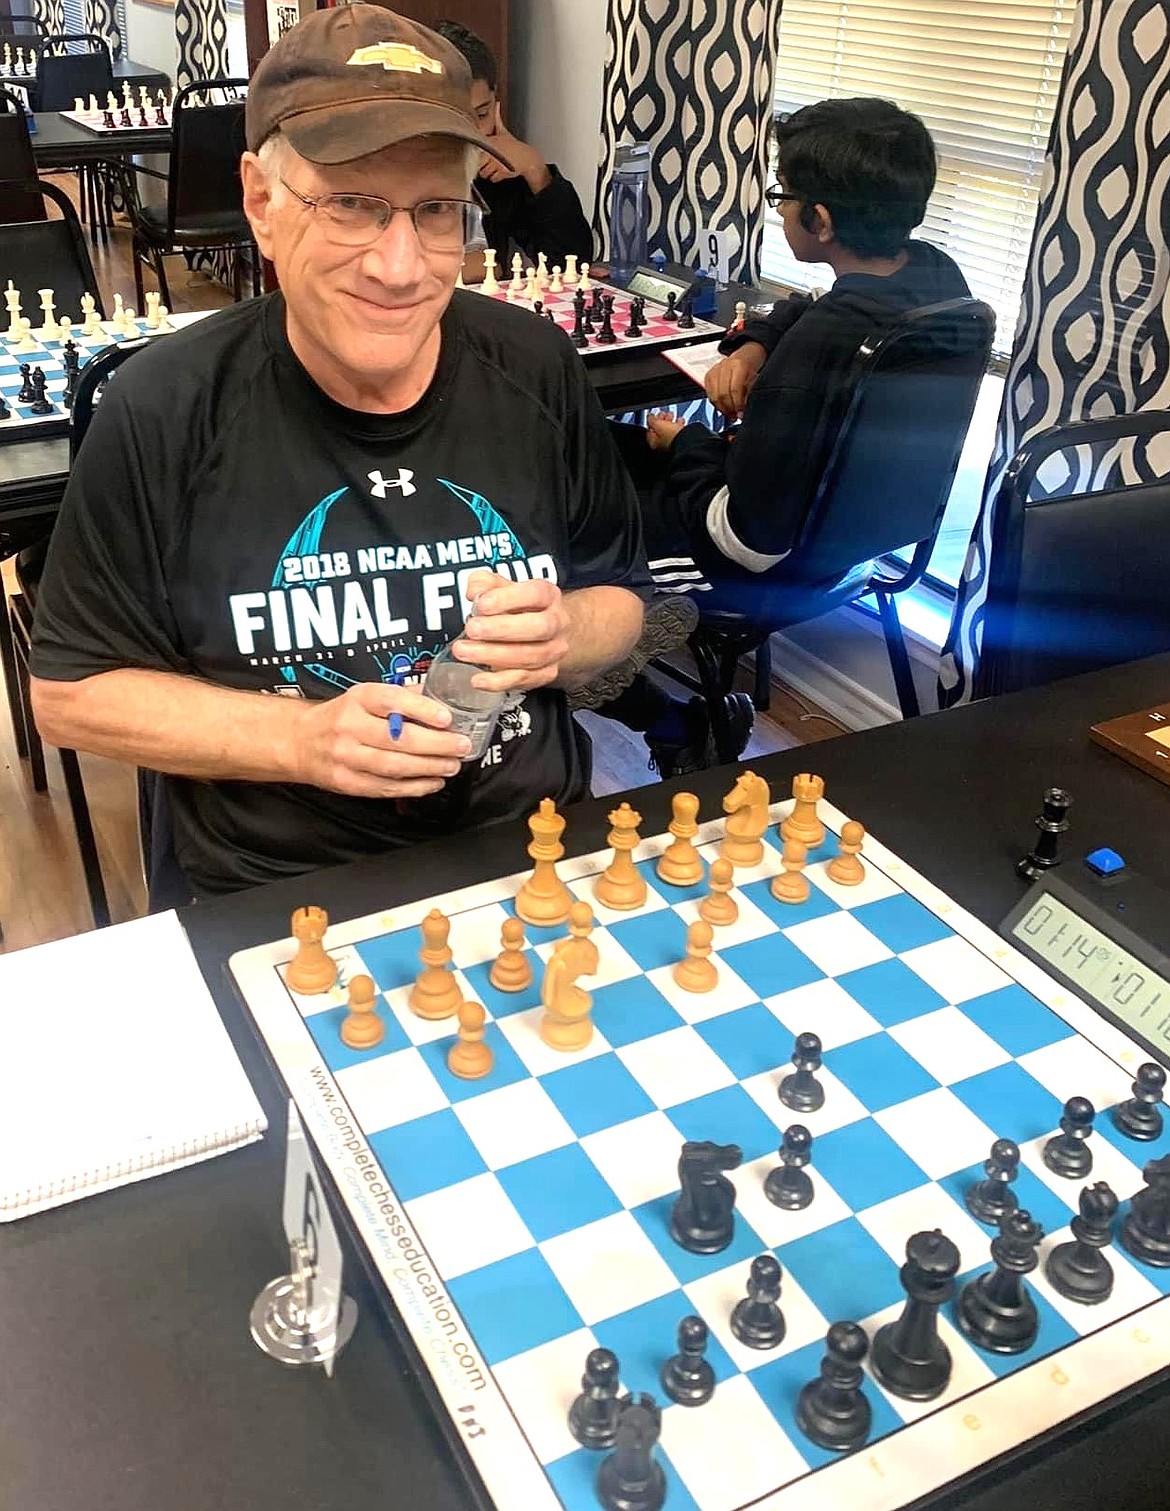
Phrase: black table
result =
(61, 143)
(130, 1378)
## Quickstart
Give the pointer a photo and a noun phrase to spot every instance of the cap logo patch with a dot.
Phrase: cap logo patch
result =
(396, 57)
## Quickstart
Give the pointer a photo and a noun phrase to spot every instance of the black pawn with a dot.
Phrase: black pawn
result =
(1145, 1233)
(1052, 823)
(631, 1478)
(1078, 1270)
(670, 312)
(538, 306)
(593, 1416)
(1141, 1117)
(142, 117)
(688, 1378)
(108, 119)
(909, 1358)
(686, 318)
(789, 1185)
(996, 1310)
(831, 1410)
(124, 117)
(801, 1091)
(757, 1320)
(1067, 1153)
(606, 336)
(41, 403)
(26, 391)
(160, 115)
(548, 315)
(990, 1199)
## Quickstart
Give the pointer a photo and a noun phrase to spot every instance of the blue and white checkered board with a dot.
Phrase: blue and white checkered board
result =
(520, 1220)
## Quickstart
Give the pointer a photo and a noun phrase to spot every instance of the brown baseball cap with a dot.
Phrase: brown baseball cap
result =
(353, 79)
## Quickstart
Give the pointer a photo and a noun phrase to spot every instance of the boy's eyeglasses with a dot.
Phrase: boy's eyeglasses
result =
(775, 196)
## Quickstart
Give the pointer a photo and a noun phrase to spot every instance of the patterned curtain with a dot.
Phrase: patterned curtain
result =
(201, 37)
(693, 79)
(51, 13)
(1093, 335)
(102, 20)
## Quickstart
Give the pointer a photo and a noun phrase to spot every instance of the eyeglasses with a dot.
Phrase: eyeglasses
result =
(775, 196)
(357, 220)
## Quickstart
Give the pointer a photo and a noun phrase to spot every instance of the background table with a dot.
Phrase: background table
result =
(130, 1378)
(61, 143)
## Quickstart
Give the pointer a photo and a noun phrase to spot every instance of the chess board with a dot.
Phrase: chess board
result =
(90, 121)
(519, 1221)
(657, 331)
(22, 423)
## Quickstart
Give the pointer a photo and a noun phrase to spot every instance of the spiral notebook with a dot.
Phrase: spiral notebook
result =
(115, 1066)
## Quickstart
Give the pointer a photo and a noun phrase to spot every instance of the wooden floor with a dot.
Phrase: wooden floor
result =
(42, 894)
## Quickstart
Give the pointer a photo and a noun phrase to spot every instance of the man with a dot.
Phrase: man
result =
(531, 208)
(854, 178)
(280, 514)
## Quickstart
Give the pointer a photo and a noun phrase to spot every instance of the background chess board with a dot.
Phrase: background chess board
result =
(657, 332)
(48, 357)
(91, 122)
(521, 1220)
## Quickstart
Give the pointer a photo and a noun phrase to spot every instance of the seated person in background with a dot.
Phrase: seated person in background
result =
(286, 508)
(531, 208)
(854, 177)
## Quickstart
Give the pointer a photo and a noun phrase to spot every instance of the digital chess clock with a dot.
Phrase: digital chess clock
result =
(653, 284)
(1104, 931)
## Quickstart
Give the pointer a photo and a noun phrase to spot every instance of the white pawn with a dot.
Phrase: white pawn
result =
(94, 108)
(583, 282)
(118, 320)
(490, 282)
(532, 286)
(78, 105)
(557, 285)
(65, 331)
(111, 100)
(163, 323)
(129, 323)
(153, 301)
(570, 270)
(26, 343)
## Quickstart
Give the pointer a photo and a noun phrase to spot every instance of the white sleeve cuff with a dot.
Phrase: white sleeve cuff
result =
(725, 540)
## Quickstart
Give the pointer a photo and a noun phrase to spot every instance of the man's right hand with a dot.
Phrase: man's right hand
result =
(729, 382)
(344, 743)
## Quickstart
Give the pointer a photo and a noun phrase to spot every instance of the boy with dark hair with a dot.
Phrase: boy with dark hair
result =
(854, 177)
(531, 207)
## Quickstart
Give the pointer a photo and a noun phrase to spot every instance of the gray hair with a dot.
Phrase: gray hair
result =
(275, 150)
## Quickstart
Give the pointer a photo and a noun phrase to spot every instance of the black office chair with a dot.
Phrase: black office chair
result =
(17, 164)
(205, 204)
(1078, 581)
(895, 448)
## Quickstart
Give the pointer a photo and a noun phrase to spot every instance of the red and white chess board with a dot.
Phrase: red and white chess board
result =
(95, 122)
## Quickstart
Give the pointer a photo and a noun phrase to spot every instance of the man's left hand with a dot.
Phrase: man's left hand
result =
(661, 429)
(519, 632)
(526, 162)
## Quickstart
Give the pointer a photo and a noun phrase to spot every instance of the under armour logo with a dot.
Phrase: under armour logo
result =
(403, 481)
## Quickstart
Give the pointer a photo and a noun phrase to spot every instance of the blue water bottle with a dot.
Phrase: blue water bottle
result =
(628, 210)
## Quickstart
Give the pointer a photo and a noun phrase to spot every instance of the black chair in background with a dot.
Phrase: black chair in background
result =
(205, 207)
(17, 164)
(69, 65)
(49, 253)
(1081, 580)
(22, 605)
(875, 517)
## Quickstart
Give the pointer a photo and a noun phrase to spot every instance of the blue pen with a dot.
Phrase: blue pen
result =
(394, 722)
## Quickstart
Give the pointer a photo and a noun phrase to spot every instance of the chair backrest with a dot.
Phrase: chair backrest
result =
(38, 254)
(17, 164)
(903, 416)
(207, 140)
(1078, 581)
(94, 376)
(71, 65)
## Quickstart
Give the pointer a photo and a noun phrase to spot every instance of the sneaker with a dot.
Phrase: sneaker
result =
(698, 754)
(668, 620)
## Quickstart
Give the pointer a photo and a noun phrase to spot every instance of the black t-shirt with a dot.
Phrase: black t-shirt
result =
(552, 221)
(227, 520)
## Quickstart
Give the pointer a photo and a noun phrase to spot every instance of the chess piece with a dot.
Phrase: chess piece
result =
(516, 287)
(435, 994)
(469, 1057)
(48, 327)
(164, 323)
(832, 1410)
(757, 1320)
(845, 868)
(362, 1028)
(1140, 1117)
(12, 303)
(26, 342)
(577, 335)
(91, 324)
(26, 391)
(1067, 1153)
(571, 275)
(908, 1357)
(566, 1024)
(118, 319)
(791, 885)
(41, 403)
(687, 1377)
(557, 283)
(1051, 824)
(511, 970)
(802, 823)
(153, 300)
(697, 972)
(544, 899)
(593, 1416)
(311, 969)
(702, 1219)
(1078, 1270)
(996, 1310)
(1145, 1233)
(583, 280)
(747, 808)
(719, 908)
(740, 316)
(5, 412)
(680, 864)
(531, 287)
(789, 1185)
(686, 312)
(670, 313)
(606, 336)
(542, 269)
(630, 1477)
(800, 1091)
(490, 283)
(991, 1199)
(621, 886)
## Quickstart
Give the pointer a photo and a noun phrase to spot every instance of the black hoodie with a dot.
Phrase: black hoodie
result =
(739, 505)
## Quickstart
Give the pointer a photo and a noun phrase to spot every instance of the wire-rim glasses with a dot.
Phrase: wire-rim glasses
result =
(357, 220)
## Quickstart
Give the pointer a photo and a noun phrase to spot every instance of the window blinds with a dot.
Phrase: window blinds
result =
(984, 77)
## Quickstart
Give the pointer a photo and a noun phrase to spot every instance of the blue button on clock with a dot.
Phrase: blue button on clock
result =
(1105, 862)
